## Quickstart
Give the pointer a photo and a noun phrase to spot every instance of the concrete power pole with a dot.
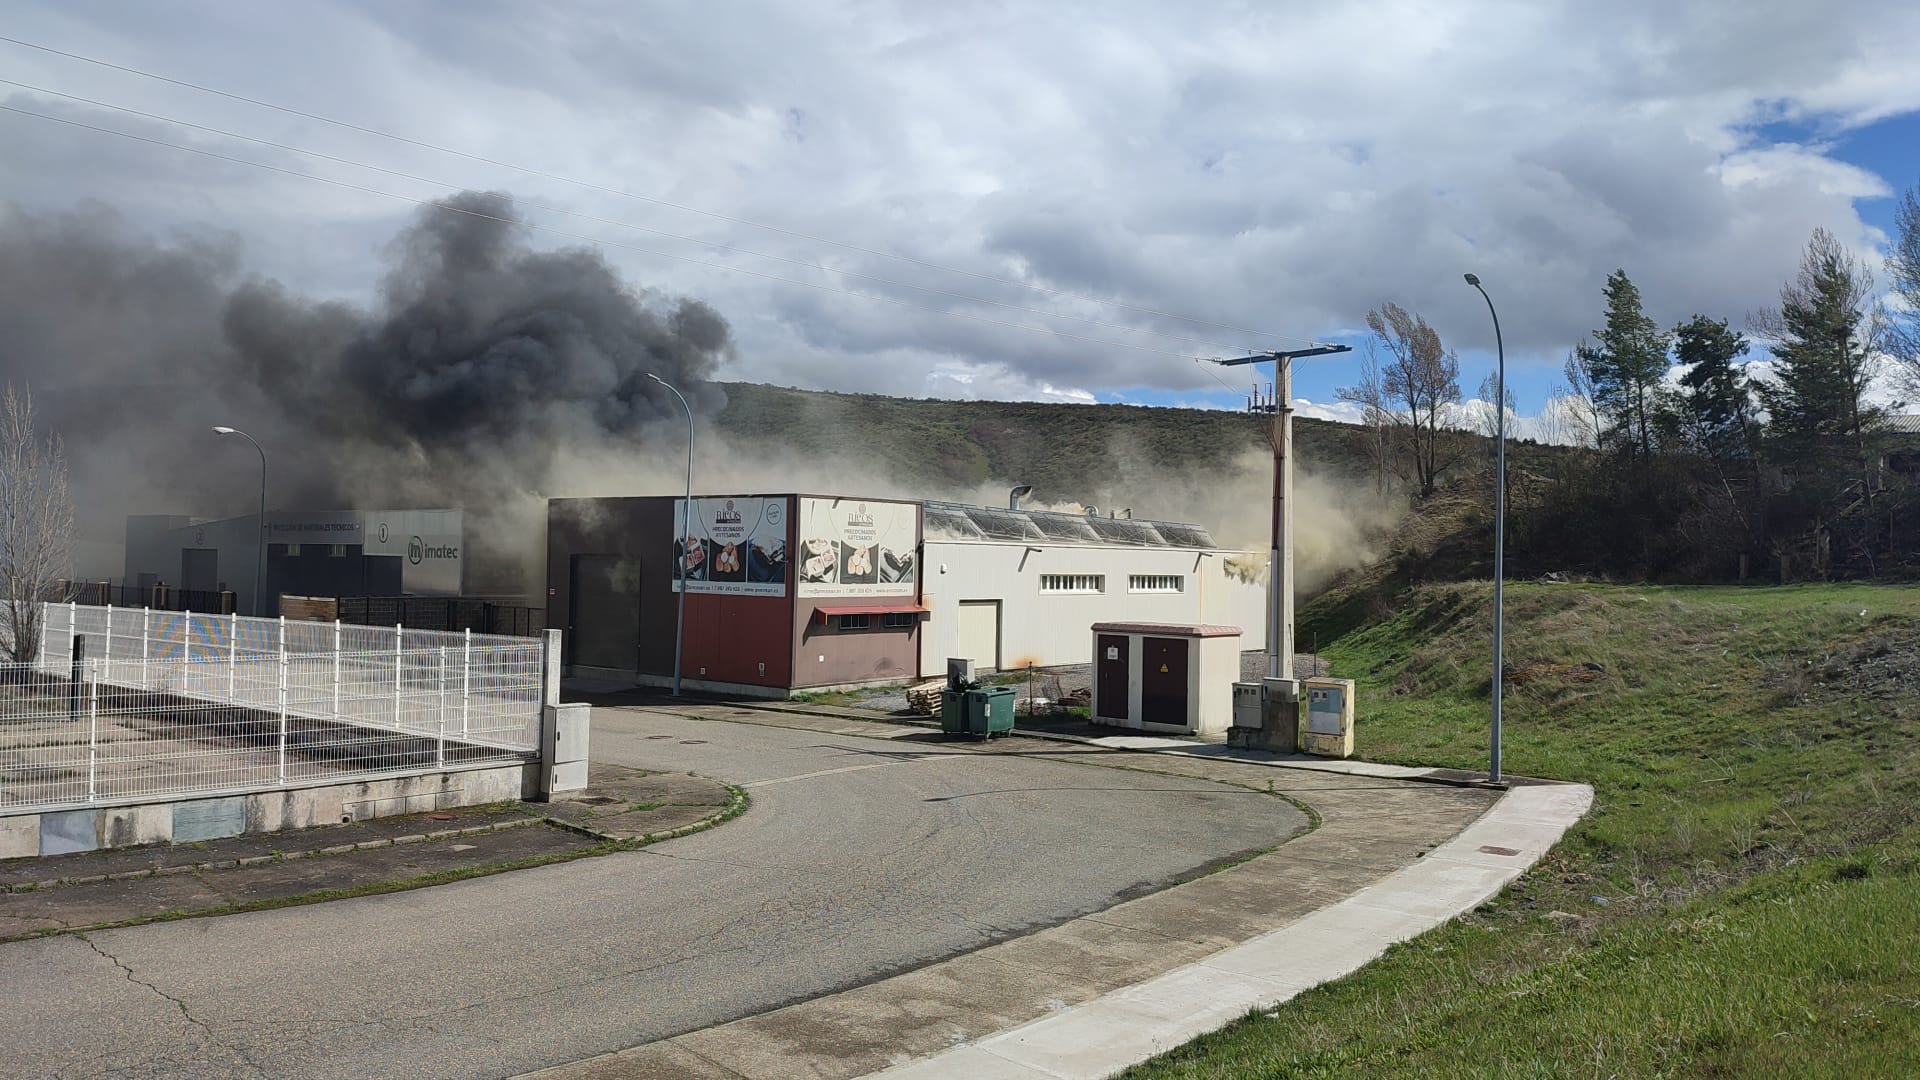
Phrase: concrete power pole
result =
(1280, 558)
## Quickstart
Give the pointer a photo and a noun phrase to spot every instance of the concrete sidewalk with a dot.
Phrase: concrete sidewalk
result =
(1373, 872)
(1128, 1026)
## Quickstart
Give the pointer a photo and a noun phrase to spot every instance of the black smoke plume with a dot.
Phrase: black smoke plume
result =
(479, 363)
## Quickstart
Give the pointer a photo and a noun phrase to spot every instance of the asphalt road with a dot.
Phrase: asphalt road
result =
(859, 858)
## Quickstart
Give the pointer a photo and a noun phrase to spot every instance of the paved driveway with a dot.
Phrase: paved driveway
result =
(859, 858)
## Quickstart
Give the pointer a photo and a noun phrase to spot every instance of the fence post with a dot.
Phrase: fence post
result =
(466, 681)
(186, 651)
(399, 644)
(233, 655)
(283, 700)
(106, 651)
(146, 628)
(93, 735)
(336, 668)
(440, 741)
(76, 654)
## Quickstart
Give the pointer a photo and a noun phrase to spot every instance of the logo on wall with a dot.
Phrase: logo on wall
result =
(727, 515)
(383, 535)
(199, 538)
(417, 549)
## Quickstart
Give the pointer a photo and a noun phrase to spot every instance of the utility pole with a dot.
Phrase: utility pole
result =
(1280, 557)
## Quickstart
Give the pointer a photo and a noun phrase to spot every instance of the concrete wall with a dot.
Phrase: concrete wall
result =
(183, 821)
(1050, 629)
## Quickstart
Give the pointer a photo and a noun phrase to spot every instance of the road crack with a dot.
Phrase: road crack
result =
(186, 1013)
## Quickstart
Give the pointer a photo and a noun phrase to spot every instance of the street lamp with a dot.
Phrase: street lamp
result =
(1499, 526)
(260, 549)
(680, 619)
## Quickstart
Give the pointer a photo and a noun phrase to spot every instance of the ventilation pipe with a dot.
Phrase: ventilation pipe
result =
(1016, 493)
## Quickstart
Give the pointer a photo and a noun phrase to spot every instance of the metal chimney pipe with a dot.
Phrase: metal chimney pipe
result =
(1016, 493)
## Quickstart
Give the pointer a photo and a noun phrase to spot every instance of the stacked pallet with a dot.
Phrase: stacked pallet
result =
(925, 698)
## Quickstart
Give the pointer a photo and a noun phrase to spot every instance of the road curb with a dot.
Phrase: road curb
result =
(737, 803)
(256, 860)
(1127, 1026)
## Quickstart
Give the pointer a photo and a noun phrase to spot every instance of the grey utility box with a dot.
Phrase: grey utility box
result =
(1266, 716)
(563, 747)
(1328, 731)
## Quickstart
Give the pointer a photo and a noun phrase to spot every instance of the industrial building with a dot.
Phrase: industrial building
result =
(309, 553)
(791, 592)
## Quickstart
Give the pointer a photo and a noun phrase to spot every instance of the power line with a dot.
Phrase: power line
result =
(347, 125)
(1125, 327)
(582, 236)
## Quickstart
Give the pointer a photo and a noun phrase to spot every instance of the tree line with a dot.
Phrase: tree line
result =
(1699, 465)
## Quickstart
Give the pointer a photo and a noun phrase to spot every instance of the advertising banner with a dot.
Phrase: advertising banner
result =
(850, 547)
(735, 545)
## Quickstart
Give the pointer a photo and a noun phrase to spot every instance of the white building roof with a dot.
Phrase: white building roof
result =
(957, 521)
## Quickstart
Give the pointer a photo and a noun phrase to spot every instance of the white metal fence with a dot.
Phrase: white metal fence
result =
(160, 703)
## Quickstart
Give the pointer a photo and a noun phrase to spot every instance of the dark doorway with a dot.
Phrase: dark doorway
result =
(1112, 667)
(200, 569)
(604, 630)
(1163, 681)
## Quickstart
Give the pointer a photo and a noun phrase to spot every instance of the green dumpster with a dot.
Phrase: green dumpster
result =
(989, 711)
(953, 716)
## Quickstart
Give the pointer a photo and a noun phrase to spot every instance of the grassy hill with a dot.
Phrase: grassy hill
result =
(1742, 901)
(1062, 450)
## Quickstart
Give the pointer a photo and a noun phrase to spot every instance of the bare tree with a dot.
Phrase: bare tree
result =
(36, 524)
(1416, 388)
(1383, 434)
(1583, 421)
(1482, 419)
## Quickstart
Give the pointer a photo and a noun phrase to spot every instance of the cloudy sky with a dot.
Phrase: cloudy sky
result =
(1172, 180)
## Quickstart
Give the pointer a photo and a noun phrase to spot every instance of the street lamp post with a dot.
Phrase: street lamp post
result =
(1499, 527)
(680, 619)
(260, 549)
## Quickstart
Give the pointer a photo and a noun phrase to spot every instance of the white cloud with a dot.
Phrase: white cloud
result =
(1144, 152)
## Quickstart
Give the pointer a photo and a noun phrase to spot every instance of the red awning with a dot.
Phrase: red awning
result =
(900, 608)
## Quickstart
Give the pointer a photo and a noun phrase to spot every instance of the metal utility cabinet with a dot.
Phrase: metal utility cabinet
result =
(1327, 730)
(1166, 677)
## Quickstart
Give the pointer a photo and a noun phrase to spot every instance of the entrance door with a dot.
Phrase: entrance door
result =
(604, 631)
(200, 569)
(1110, 667)
(980, 633)
(1163, 681)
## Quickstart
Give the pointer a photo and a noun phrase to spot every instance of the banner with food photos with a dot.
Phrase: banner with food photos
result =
(855, 547)
(735, 545)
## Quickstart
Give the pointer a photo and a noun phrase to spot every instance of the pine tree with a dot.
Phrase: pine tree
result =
(1824, 339)
(1628, 358)
(1716, 401)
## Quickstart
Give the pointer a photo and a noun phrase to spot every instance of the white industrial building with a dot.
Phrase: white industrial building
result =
(1009, 588)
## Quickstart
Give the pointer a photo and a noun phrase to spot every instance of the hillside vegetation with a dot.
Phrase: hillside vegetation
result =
(1744, 898)
(1062, 450)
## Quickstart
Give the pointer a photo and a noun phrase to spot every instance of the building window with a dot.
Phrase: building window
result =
(855, 622)
(1155, 583)
(1073, 583)
(899, 620)
(337, 551)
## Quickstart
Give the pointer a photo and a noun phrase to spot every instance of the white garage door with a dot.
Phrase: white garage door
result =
(980, 633)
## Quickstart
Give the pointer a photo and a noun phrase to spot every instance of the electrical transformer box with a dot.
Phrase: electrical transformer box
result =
(1328, 730)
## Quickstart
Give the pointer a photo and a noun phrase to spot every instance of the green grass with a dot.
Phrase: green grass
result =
(1744, 899)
